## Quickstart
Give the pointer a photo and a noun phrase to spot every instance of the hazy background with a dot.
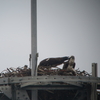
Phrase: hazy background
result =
(64, 28)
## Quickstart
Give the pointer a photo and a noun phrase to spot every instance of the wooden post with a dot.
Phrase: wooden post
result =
(94, 85)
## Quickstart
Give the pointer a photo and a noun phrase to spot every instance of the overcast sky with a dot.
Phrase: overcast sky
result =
(64, 28)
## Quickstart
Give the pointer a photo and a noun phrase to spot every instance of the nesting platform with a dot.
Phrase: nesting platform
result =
(16, 84)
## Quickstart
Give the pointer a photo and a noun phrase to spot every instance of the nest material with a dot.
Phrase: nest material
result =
(25, 71)
(62, 72)
(19, 72)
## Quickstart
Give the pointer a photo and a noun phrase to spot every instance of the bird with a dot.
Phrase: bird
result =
(70, 65)
(52, 62)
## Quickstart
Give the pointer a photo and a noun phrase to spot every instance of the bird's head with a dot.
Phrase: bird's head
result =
(72, 59)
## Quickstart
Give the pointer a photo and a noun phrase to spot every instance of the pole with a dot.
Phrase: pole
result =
(33, 36)
(34, 42)
(94, 85)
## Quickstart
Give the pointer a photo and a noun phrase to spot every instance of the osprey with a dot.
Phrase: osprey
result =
(70, 65)
(52, 62)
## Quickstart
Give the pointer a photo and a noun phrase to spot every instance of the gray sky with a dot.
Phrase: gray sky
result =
(64, 28)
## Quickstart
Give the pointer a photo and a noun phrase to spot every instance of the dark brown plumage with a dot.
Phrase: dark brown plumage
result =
(52, 62)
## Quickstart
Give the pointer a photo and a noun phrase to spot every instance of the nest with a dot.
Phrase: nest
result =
(47, 94)
(19, 72)
(25, 71)
(62, 72)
